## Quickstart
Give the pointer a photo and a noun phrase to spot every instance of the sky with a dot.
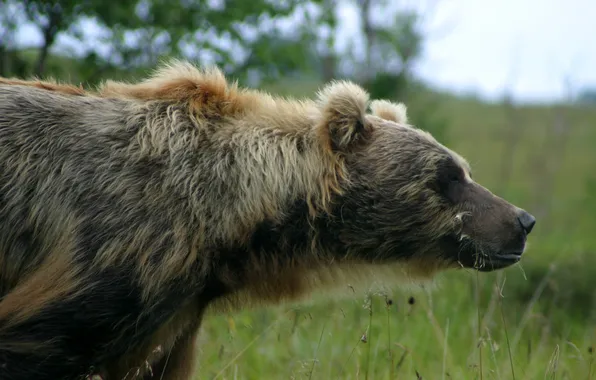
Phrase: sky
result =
(529, 49)
(531, 46)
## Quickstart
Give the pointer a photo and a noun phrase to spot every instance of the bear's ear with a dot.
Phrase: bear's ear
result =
(387, 110)
(343, 109)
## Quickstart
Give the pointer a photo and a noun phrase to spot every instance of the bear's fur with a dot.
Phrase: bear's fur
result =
(129, 210)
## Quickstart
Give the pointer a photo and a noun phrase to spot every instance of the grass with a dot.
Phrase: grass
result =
(436, 337)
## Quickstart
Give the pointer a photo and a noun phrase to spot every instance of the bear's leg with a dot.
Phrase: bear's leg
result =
(42, 325)
(179, 362)
(169, 353)
(63, 328)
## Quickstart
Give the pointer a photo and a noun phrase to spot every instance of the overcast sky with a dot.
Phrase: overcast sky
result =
(529, 46)
(488, 46)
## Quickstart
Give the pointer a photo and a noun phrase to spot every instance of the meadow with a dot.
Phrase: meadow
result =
(535, 320)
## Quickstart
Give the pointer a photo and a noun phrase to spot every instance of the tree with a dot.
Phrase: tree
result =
(202, 30)
(55, 16)
(137, 33)
(9, 19)
(587, 96)
(391, 49)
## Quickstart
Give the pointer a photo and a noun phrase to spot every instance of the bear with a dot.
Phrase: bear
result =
(130, 210)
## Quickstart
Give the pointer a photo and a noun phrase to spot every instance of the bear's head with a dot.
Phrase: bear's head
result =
(408, 197)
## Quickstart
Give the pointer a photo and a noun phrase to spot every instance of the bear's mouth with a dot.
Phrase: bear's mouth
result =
(481, 257)
(487, 260)
(497, 261)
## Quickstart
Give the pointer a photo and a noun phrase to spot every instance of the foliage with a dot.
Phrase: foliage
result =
(588, 96)
(137, 33)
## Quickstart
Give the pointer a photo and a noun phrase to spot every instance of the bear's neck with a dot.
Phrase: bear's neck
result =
(278, 261)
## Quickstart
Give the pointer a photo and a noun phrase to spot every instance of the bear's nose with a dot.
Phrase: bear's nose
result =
(526, 220)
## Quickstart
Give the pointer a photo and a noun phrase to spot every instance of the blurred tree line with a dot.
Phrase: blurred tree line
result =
(255, 41)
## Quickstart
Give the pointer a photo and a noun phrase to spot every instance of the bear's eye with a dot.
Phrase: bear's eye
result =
(454, 177)
(450, 177)
(451, 173)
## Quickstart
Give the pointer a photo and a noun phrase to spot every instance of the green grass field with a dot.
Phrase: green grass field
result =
(532, 321)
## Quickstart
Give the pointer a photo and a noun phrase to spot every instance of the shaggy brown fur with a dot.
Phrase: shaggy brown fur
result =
(127, 211)
(46, 85)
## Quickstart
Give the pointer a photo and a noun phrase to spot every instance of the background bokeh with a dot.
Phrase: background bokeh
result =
(511, 85)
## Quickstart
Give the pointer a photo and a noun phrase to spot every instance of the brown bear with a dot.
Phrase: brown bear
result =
(127, 211)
